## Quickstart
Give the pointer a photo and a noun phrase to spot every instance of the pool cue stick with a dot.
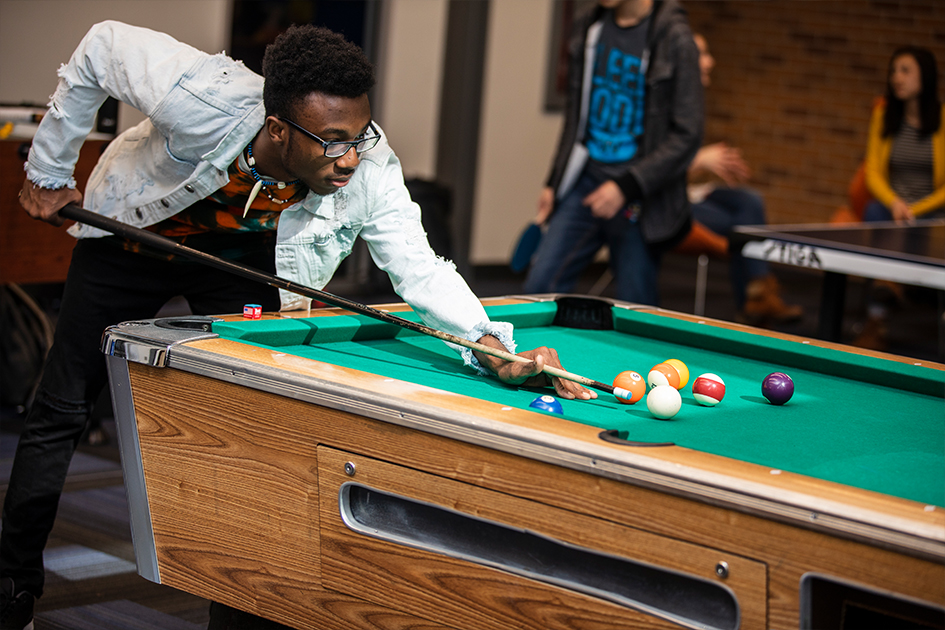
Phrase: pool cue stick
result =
(161, 243)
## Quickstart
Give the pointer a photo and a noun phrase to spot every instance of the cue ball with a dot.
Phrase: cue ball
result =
(777, 388)
(633, 383)
(547, 403)
(662, 374)
(681, 369)
(663, 401)
(708, 390)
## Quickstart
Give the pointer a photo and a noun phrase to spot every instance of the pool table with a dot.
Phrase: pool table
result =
(327, 470)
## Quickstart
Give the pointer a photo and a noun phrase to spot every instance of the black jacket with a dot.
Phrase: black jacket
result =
(656, 177)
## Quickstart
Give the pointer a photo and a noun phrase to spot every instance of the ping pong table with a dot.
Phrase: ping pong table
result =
(911, 253)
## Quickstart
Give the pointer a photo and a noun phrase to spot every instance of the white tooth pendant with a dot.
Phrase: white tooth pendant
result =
(252, 195)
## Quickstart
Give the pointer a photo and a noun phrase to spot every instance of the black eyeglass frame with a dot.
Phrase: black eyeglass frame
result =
(359, 145)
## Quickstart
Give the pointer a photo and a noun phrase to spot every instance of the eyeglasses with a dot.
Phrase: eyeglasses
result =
(337, 148)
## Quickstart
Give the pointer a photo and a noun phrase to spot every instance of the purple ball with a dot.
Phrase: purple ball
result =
(777, 388)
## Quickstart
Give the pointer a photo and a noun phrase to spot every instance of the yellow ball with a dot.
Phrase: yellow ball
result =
(682, 369)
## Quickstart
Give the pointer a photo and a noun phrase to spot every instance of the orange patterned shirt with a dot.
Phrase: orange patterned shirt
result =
(222, 211)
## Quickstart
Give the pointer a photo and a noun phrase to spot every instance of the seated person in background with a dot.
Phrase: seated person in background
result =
(905, 164)
(721, 208)
(619, 174)
(230, 163)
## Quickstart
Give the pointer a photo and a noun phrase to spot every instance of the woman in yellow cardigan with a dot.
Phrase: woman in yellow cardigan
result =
(905, 167)
(905, 156)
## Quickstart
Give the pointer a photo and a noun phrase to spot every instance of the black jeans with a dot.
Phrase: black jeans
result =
(106, 285)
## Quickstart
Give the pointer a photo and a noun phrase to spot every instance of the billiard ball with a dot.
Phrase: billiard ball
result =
(547, 403)
(663, 401)
(681, 369)
(708, 390)
(632, 383)
(777, 388)
(663, 374)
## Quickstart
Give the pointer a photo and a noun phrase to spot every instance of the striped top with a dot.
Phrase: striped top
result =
(910, 164)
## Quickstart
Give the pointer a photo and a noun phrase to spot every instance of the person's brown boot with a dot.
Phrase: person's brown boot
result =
(763, 304)
(890, 294)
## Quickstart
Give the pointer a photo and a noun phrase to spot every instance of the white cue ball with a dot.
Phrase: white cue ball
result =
(664, 401)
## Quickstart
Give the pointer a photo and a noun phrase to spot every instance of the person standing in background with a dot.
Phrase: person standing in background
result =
(632, 125)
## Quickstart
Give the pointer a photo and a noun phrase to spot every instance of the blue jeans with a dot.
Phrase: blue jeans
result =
(106, 285)
(573, 238)
(876, 211)
(722, 210)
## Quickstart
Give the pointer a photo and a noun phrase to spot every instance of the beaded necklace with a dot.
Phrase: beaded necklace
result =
(262, 184)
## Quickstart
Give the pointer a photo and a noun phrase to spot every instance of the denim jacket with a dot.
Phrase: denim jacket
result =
(202, 112)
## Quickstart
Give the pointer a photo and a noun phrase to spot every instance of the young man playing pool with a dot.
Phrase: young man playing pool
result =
(281, 175)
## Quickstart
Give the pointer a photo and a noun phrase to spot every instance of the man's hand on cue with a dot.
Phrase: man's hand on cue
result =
(44, 203)
(530, 374)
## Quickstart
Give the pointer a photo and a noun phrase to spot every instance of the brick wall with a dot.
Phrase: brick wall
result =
(794, 84)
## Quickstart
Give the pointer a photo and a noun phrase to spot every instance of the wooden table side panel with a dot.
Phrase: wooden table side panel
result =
(459, 589)
(220, 474)
(789, 551)
(34, 251)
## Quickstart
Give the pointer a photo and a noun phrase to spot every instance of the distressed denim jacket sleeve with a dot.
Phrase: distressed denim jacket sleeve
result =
(316, 236)
(202, 110)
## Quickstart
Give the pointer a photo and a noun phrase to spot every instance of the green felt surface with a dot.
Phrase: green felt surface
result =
(861, 421)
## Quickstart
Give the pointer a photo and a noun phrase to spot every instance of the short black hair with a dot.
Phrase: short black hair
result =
(306, 59)
(930, 109)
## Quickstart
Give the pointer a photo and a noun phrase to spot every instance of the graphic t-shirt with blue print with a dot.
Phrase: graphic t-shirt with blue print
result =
(616, 107)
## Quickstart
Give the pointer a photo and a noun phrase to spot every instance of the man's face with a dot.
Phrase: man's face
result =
(329, 118)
